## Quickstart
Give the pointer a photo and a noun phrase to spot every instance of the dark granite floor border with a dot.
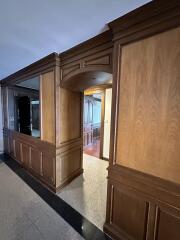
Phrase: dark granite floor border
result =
(82, 225)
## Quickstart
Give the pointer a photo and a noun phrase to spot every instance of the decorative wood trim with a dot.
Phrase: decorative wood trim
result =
(102, 124)
(34, 69)
(93, 55)
(42, 148)
(159, 193)
(147, 20)
(97, 41)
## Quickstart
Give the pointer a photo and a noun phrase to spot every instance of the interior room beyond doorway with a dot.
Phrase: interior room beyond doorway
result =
(96, 121)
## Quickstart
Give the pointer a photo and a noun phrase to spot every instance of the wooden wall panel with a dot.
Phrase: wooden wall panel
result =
(47, 107)
(140, 206)
(70, 115)
(68, 166)
(18, 154)
(26, 155)
(36, 161)
(36, 156)
(93, 55)
(128, 210)
(148, 136)
(168, 225)
(48, 167)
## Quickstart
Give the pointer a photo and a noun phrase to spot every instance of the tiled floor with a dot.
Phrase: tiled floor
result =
(93, 149)
(87, 193)
(25, 216)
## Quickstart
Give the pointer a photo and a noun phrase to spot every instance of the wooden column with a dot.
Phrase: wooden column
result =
(143, 180)
(69, 149)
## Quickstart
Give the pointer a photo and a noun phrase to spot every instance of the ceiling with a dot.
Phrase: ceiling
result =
(31, 29)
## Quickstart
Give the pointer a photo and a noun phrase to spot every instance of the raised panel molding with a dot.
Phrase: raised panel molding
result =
(18, 150)
(128, 212)
(167, 224)
(26, 155)
(48, 167)
(99, 61)
(95, 56)
(69, 69)
(36, 156)
(141, 206)
(83, 65)
(36, 161)
(68, 165)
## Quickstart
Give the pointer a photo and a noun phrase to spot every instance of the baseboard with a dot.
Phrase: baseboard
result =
(110, 231)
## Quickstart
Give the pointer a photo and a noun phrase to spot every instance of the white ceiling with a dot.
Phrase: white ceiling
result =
(31, 29)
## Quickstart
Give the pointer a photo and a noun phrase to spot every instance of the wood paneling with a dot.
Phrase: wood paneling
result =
(36, 161)
(26, 155)
(140, 206)
(18, 153)
(36, 156)
(70, 115)
(47, 107)
(69, 149)
(93, 55)
(48, 167)
(168, 224)
(145, 128)
(87, 64)
(68, 165)
(148, 136)
(145, 119)
(129, 210)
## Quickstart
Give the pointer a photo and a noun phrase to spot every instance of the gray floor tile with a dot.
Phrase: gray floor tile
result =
(87, 193)
(25, 216)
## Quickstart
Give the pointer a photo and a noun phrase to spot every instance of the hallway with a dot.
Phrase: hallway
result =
(87, 193)
(30, 211)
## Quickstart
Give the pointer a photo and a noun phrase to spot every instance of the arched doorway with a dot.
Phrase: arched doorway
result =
(87, 191)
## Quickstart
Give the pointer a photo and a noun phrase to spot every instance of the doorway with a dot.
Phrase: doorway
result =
(96, 121)
(87, 193)
(92, 123)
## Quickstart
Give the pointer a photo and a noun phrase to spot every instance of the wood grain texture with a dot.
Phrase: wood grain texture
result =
(26, 155)
(168, 223)
(36, 161)
(47, 107)
(141, 206)
(68, 166)
(148, 136)
(70, 115)
(129, 210)
(37, 156)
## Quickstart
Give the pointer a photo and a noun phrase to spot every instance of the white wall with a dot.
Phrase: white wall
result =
(1, 133)
(107, 122)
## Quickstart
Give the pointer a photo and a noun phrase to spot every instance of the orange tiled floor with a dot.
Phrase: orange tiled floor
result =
(93, 149)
